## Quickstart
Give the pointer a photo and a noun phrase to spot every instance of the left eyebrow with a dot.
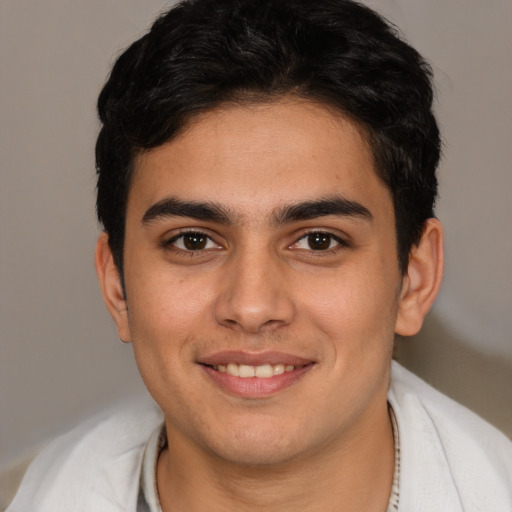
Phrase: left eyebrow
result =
(339, 206)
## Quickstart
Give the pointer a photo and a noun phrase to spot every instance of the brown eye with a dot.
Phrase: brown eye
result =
(195, 241)
(319, 241)
(192, 241)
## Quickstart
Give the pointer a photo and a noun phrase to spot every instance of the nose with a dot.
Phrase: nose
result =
(255, 294)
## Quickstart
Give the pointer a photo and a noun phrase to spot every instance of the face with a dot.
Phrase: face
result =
(262, 282)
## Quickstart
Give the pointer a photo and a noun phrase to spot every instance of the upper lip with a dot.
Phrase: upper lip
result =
(253, 358)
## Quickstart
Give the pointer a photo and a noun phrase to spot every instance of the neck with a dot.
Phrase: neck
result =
(346, 475)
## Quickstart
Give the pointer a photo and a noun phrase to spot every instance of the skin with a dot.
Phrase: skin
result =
(324, 442)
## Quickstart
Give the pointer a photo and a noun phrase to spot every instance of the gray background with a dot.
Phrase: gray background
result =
(60, 359)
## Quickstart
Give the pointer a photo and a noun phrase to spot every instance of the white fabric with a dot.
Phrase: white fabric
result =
(451, 460)
(93, 468)
(149, 490)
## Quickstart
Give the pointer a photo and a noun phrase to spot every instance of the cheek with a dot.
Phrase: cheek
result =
(164, 314)
(354, 308)
(164, 323)
(161, 300)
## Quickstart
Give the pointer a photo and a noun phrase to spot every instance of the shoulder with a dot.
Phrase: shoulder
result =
(448, 453)
(96, 466)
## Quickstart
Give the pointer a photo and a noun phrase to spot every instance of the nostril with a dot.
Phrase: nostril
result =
(253, 298)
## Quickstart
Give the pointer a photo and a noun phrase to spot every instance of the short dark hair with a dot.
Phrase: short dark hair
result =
(203, 53)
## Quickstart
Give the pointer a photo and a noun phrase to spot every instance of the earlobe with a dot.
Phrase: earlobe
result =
(422, 281)
(111, 286)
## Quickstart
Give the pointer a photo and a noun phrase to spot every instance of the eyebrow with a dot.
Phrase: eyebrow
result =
(337, 205)
(172, 207)
(213, 212)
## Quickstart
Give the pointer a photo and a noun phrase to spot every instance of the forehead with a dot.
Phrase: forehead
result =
(254, 158)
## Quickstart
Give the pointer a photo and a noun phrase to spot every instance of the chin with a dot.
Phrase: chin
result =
(259, 445)
(257, 455)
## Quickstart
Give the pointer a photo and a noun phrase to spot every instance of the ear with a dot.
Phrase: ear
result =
(111, 287)
(422, 281)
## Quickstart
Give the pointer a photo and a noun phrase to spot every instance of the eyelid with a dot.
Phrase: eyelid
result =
(168, 241)
(342, 240)
(337, 236)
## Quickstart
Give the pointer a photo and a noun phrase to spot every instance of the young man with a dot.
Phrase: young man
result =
(266, 182)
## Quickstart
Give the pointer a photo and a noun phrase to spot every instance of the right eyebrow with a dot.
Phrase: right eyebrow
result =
(173, 207)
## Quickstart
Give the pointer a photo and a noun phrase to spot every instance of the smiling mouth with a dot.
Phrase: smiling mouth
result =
(245, 371)
(259, 380)
(254, 375)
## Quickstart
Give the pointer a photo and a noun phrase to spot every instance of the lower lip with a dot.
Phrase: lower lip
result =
(256, 387)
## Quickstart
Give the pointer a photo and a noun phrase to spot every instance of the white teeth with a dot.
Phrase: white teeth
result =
(246, 371)
(278, 369)
(263, 371)
(232, 369)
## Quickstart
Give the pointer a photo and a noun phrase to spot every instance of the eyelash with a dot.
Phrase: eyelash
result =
(170, 244)
(340, 242)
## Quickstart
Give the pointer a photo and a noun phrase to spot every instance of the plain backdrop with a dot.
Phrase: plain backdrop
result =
(60, 358)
